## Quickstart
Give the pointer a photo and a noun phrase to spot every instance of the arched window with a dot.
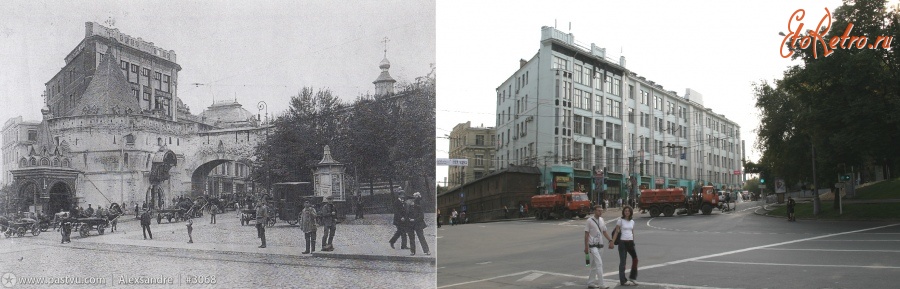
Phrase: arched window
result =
(65, 163)
(33, 162)
(55, 162)
(45, 162)
(129, 139)
(23, 163)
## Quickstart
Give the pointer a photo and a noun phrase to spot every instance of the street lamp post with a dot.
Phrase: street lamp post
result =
(260, 107)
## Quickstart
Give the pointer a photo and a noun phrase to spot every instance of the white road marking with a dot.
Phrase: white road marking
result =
(799, 265)
(749, 249)
(832, 250)
(530, 277)
(483, 226)
(484, 263)
(857, 240)
(608, 281)
(487, 279)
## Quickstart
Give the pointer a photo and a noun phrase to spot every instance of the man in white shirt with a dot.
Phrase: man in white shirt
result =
(594, 233)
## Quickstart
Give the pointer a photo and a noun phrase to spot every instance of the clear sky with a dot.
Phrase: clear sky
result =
(250, 50)
(718, 48)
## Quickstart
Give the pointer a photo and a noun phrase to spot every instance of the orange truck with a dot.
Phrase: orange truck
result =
(665, 201)
(566, 205)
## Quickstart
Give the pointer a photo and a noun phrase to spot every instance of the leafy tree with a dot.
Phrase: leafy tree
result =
(842, 106)
(296, 144)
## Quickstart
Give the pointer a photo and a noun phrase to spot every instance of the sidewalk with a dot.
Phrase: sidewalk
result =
(368, 242)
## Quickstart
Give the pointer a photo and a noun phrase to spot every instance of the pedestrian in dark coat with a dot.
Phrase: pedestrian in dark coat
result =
(65, 224)
(145, 224)
(328, 215)
(308, 226)
(399, 222)
(790, 209)
(359, 208)
(213, 210)
(415, 219)
(262, 216)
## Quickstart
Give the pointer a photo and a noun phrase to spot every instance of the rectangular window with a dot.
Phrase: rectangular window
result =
(560, 63)
(158, 80)
(616, 88)
(577, 100)
(586, 76)
(630, 115)
(567, 91)
(609, 107)
(587, 126)
(598, 128)
(631, 91)
(586, 100)
(147, 95)
(578, 125)
(608, 84)
(617, 109)
(479, 140)
(165, 85)
(578, 75)
(479, 160)
(610, 131)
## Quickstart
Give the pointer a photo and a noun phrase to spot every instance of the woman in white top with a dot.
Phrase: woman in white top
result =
(625, 228)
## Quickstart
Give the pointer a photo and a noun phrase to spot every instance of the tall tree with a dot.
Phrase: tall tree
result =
(843, 105)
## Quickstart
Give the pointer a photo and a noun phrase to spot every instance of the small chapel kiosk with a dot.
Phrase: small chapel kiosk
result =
(328, 178)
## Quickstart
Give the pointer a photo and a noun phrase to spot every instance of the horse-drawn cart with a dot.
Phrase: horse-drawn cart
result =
(248, 215)
(169, 214)
(85, 225)
(20, 226)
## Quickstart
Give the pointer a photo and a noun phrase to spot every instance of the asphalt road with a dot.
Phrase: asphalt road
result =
(722, 250)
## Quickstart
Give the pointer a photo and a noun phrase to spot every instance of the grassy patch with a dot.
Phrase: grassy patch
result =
(851, 211)
(889, 189)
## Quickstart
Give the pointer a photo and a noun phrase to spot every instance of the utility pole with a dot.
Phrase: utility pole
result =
(816, 202)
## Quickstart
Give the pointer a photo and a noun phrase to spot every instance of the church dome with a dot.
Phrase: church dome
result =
(385, 64)
(226, 114)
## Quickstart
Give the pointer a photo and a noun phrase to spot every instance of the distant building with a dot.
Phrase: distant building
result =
(475, 144)
(574, 113)
(17, 133)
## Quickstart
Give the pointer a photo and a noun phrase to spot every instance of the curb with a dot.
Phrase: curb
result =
(425, 258)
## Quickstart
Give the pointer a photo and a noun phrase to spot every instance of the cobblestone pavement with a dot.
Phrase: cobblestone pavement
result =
(224, 250)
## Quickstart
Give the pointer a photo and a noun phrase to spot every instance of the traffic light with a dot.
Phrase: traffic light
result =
(845, 177)
(762, 181)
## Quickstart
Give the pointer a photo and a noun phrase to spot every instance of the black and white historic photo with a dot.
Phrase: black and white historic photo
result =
(217, 144)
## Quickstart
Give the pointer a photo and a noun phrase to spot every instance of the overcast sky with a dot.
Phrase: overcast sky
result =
(250, 50)
(718, 48)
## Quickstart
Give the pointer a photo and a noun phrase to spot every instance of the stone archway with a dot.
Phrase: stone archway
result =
(61, 198)
(236, 182)
(27, 193)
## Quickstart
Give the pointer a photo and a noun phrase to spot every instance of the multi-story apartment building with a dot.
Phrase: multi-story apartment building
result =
(475, 144)
(574, 113)
(16, 133)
